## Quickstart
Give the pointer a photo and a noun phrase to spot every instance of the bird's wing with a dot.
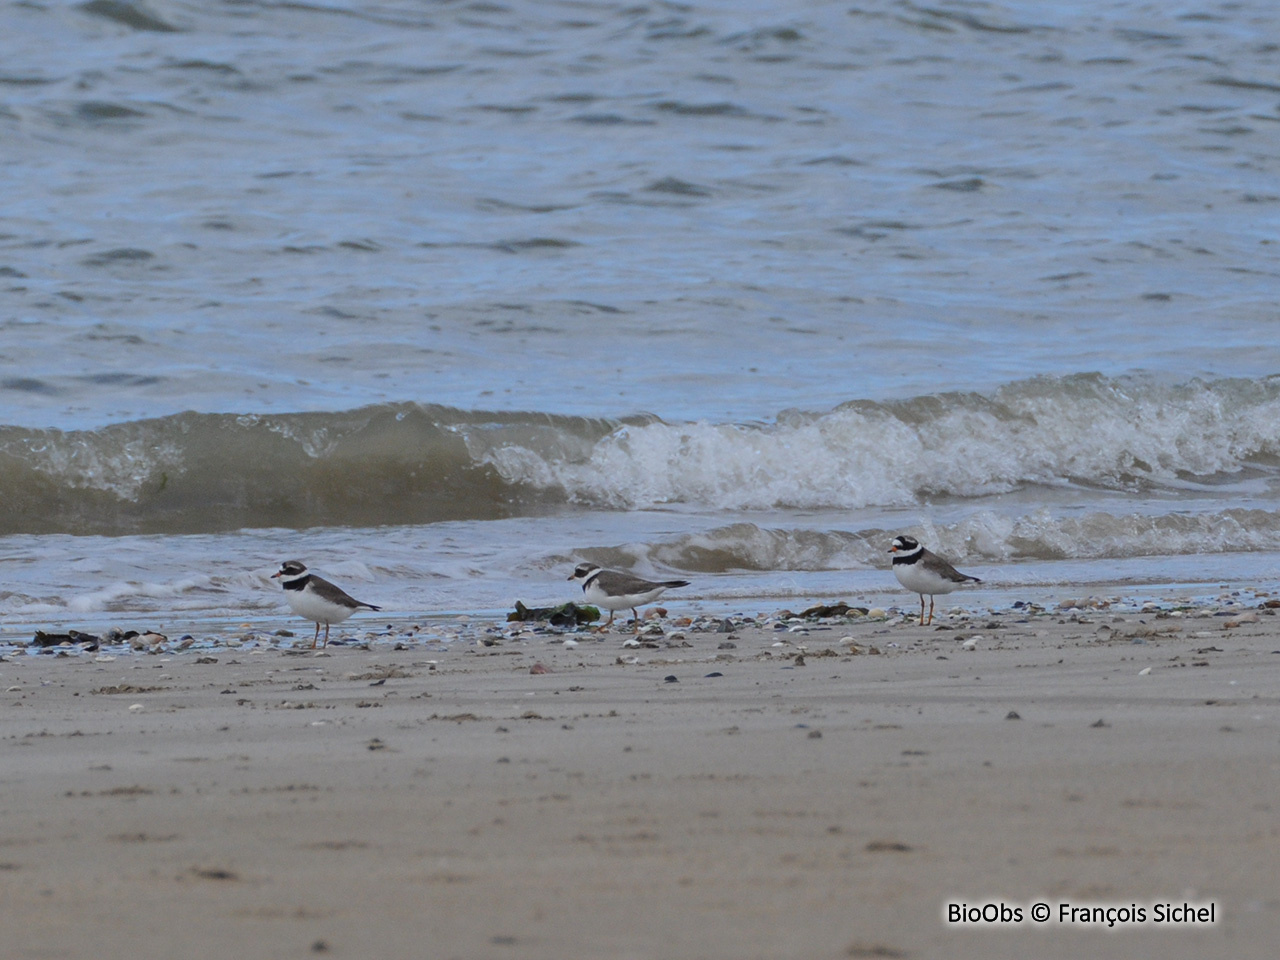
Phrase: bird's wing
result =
(624, 584)
(335, 594)
(947, 571)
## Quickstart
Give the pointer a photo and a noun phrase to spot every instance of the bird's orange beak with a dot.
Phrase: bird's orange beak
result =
(276, 574)
(893, 549)
(571, 576)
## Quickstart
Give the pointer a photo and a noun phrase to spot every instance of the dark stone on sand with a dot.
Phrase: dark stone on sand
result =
(43, 639)
(833, 610)
(565, 615)
(887, 846)
(214, 873)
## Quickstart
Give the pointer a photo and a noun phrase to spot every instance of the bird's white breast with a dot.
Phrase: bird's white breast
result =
(914, 576)
(306, 604)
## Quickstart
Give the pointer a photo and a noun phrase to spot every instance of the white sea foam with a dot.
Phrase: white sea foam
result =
(1117, 434)
(122, 593)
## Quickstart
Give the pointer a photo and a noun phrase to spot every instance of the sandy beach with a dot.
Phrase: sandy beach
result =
(767, 789)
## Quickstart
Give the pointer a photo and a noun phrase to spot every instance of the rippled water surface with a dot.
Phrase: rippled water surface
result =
(729, 288)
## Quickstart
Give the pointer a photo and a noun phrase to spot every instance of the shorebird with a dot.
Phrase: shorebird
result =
(316, 598)
(924, 572)
(616, 591)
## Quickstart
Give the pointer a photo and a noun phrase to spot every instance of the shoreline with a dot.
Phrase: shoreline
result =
(794, 794)
(283, 630)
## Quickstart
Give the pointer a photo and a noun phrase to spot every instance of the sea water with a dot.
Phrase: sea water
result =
(442, 297)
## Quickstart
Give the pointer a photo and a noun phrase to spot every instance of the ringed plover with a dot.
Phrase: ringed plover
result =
(616, 591)
(924, 572)
(316, 598)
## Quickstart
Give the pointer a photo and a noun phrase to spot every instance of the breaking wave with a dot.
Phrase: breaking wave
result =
(414, 463)
(1127, 435)
(197, 472)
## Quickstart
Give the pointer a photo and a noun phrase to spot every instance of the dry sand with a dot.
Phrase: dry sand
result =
(373, 803)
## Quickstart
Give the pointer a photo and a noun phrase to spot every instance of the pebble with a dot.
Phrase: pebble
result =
(1249, 617)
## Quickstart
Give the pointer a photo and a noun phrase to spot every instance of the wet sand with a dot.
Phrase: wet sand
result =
(793, 795)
